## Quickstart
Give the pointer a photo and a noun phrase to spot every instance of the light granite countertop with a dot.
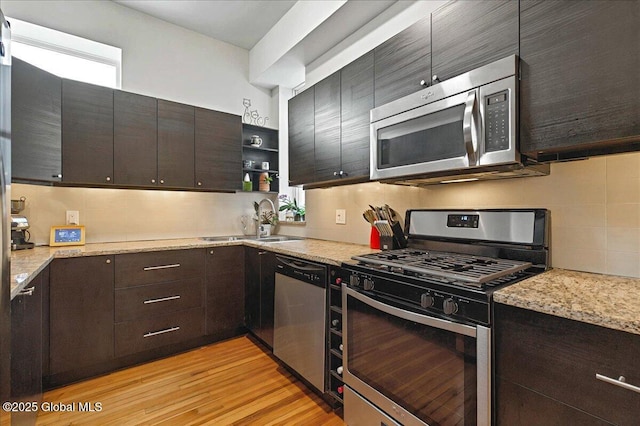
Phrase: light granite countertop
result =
(27, 264)
(605, 300)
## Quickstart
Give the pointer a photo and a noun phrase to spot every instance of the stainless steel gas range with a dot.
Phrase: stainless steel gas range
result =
(417, 321)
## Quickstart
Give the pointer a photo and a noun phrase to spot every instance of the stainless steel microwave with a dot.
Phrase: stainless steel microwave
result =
(465, 127)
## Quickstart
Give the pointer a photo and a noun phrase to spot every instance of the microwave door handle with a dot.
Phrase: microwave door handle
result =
(469, 126)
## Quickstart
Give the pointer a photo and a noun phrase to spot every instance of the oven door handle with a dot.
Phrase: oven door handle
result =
(412, 316)
(470, 124)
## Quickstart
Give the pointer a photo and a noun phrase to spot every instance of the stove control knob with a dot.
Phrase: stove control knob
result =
(426, 300)
(449, 306)
(368, 284)
(354, 281)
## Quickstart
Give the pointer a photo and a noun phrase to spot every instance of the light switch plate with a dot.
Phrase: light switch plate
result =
(73, 217)
(341, 216)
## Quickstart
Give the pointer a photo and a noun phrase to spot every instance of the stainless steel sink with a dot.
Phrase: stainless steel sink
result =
(271, 239)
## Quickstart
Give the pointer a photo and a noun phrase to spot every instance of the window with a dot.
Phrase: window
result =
(66, 55)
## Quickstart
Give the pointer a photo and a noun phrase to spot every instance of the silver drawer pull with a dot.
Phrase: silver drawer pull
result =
(166, 330)
(153, 268)
(26, 292)
(162, 299)
(621, 381)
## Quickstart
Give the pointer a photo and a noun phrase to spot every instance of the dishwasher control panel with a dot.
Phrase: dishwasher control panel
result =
(310, 272)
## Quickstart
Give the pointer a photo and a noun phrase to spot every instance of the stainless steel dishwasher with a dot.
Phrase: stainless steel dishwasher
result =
(300, 317)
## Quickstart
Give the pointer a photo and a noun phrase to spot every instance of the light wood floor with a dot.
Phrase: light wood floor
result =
(228, 383)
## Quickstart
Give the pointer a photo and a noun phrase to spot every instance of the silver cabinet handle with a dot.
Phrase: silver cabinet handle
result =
(153, 268)
(470, 129)
(162, 299)
(27, 291)
(108, 179)
(166, 330)
(108, 261)
(620, 381)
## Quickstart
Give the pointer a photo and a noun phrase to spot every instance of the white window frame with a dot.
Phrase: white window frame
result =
(67, 44)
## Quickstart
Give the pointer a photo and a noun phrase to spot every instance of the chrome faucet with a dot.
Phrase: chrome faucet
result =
(261, 230)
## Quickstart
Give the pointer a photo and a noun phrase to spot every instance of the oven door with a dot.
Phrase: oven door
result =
(415, 368)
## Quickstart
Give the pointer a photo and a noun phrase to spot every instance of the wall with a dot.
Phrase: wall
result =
(158, 59)
(132, 215)
(594, 204)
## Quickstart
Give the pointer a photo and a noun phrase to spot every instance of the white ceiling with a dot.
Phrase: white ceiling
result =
(244, 23)
(241, 23)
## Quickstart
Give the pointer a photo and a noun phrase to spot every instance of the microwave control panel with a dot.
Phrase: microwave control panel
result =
(497, 122)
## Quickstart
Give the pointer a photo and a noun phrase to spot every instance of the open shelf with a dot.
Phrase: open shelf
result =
(267, 152)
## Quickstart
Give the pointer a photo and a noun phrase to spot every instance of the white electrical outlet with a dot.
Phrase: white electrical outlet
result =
(341, 216)
(73, 217)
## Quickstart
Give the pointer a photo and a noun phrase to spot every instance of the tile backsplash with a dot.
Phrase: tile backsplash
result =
(131, 215)
(594, 204)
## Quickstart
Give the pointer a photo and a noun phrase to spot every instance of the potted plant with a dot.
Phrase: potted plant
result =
(288, 205)
(266, 220)
(265, 182)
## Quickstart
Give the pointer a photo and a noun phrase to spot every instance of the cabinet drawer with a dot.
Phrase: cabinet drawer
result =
(560, 358)
(158, 266)
(144, 334)
(158, 299)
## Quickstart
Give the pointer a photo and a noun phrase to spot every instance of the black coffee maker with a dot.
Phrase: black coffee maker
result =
(19, 225)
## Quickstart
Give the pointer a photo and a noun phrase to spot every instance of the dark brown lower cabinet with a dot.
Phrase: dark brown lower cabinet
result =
(156, 331)
(26, 351)
(546, 370)
(260, 270)
(81, 313)
(225, 291)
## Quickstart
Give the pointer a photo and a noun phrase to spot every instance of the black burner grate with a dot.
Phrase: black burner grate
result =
(472, 270)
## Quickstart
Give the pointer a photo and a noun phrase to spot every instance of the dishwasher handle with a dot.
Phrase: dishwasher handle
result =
(303, 266)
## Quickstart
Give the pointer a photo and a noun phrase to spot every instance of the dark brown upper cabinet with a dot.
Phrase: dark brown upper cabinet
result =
(218, 150)
(356, 88)
(36, 124)
(467, 34)
(176, 145)
(402, 62)
(327, 128)
(301, 138)
(87, 133)
(579, 91)
(135, 130)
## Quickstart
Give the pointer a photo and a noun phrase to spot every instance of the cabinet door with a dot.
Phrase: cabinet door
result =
(402, 61)
(36, 128)
(135, 141)
(218, 150)
(579, 84)
(81, 312)
(267, 295)
(301, 138)
(225, 290)
(87, 133)
(356, 102)
(327, 128)
(26, 349)
(252, 288)
(467, 34)
(559, 358)
(176, 144)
